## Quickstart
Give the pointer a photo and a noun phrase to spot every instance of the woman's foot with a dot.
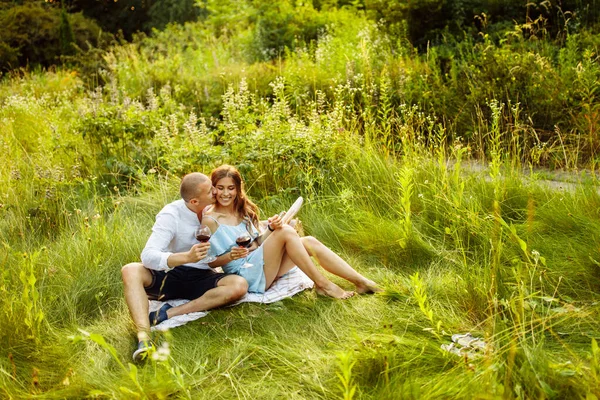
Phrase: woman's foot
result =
(367, 286)
(333, 290)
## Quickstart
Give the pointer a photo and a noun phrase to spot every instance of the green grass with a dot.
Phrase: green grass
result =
(491, 250)
(539, 316)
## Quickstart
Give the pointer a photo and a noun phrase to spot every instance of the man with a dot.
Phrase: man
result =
(171, 265)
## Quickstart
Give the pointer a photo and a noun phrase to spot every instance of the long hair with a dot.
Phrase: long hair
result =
(245, 208)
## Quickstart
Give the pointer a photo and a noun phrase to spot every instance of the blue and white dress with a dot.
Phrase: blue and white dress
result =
(223, 240)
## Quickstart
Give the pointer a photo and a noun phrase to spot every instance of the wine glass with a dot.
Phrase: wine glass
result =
(203, 235)
(244, 240)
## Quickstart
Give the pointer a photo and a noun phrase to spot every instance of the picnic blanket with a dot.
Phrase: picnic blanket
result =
(288, 285)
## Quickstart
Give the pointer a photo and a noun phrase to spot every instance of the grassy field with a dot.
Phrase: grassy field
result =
(389, 184)
(490, 253)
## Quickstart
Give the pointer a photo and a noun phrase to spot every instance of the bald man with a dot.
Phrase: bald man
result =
(172, 266)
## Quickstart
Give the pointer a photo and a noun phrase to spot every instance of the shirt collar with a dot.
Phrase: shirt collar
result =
(190, 215)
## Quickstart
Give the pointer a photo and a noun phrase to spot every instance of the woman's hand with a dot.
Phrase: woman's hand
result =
(238, 252)
(253, 246)
(276, 221)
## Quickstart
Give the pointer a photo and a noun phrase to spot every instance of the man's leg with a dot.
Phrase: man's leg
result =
(135, 278)
(229, 289)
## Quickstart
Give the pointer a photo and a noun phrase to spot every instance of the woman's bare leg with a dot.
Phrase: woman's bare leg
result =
(286, 240)
(336, 265)
(286, 265)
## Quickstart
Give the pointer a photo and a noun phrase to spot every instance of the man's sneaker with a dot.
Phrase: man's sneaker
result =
(143, 349)
(156, 317)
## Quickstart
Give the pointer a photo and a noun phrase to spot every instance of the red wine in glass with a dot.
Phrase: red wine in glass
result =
(203, 235)
(203, 238)
(244, 241)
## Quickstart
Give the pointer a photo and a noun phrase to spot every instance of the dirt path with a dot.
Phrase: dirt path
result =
(554, 179)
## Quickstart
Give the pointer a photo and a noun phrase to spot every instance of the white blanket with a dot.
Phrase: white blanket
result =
(288, 285)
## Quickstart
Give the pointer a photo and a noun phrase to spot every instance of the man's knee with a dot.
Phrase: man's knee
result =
(236, 286)
(239, 287)
(132, 272)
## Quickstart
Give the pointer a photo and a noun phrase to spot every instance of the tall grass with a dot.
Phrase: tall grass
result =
(388, 184)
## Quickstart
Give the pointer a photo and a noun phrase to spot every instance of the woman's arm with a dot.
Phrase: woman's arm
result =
(211, 223)
(273, 223)
(222, 259)
(235, 253)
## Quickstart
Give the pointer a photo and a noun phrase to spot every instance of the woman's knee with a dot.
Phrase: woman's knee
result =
(310, 241)
(311, 244)
(287, 231)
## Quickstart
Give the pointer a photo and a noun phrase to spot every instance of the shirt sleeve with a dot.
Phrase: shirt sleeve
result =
(155, 254)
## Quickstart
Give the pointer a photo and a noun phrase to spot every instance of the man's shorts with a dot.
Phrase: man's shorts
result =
(182, 283)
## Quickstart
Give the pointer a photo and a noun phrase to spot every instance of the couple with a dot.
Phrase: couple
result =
(172, 262)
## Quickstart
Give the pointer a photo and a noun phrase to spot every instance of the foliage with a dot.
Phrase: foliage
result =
(448, 85)
(282, 27)
(164, 12)
(65, 34)
(37, 34)
(125, 16)
(130, 17)
(422, 170)
(427, 22)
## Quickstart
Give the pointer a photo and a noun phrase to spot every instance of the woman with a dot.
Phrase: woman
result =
(234, 214)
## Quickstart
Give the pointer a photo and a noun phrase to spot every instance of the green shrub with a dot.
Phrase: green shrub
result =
(164, 12)
(280, 26)
(31, 34)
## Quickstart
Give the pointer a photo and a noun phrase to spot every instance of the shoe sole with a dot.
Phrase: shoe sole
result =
(140, 354)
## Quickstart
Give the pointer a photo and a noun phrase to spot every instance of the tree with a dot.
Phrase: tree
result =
(65, 34)
(36, 33)
(163, 12)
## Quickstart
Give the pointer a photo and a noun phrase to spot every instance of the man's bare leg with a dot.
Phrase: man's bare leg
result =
(135, 278)
(229, 289)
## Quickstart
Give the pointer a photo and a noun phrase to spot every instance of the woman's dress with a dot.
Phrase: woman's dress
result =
(223, 240)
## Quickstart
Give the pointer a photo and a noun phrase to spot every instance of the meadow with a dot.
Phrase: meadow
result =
(380, 141)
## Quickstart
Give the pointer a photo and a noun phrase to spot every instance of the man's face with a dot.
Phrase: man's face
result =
(206, 194)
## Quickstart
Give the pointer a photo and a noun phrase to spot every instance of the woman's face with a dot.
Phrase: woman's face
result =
(226, 191)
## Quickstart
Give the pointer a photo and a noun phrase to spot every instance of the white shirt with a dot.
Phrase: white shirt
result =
(173, 232)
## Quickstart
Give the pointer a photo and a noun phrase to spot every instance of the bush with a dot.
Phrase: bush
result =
(428, 22)
(30, 34)
(281, 26)
(164, 12)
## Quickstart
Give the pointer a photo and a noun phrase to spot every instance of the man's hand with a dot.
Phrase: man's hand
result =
(198, 252)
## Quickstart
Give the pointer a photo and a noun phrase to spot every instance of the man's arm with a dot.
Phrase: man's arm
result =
(196, 253)
(156, 255)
